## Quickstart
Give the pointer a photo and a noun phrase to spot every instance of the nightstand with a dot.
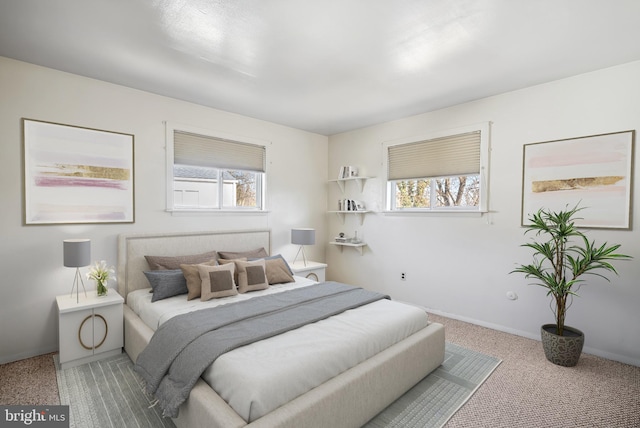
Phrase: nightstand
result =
(313, 270)
(91, 329)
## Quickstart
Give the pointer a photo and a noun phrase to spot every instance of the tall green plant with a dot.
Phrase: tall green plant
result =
(561, 255)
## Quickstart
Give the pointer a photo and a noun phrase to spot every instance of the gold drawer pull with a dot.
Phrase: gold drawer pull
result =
(106, 332)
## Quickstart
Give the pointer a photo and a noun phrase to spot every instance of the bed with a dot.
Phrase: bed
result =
(348, 399)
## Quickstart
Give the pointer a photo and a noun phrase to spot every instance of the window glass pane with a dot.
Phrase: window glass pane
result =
(195, 187)
(412, 194)
(240, 189)
(463, 191)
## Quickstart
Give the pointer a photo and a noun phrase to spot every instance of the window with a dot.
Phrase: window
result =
(445, 172)
(207, 173)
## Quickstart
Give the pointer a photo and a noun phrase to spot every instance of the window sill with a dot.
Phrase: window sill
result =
(435, 213)
(187, 212)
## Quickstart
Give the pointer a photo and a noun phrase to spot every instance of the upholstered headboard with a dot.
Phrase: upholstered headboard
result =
(133, 248)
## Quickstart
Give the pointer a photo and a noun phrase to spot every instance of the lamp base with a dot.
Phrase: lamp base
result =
(304, 256)
(77, 286)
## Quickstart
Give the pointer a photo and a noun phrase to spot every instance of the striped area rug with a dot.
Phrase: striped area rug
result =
(432, 402)
(109, 394)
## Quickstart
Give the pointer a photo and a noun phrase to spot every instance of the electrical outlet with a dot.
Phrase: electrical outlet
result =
(403, 276)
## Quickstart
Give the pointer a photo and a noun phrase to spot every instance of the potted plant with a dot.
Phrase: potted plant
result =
(561, 255)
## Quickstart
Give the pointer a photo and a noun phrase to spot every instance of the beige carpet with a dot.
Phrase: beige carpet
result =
(528, 391)
(525, 391)
(29, 382)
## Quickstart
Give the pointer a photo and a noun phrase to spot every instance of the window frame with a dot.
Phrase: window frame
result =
(389, 193)
(261, 181)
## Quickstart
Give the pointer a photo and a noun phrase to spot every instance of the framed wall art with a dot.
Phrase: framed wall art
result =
(594, 172)
(77, 175)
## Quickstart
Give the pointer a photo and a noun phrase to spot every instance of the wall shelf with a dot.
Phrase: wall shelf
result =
(359, 246)
(360, 180)
(359, 214)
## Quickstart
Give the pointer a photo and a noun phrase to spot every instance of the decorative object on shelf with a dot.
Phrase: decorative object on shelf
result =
(302, 237)
(350, 205)
(354, 242)
(101, 274)
(594, 171)
(77, 254)
(560, 257)
(77, 175)
(348, 171)
(341, 237)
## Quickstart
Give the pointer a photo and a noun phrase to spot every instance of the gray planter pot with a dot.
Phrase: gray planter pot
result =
(562, 350)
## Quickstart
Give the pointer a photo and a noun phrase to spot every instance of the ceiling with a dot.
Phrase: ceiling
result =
(325, 66)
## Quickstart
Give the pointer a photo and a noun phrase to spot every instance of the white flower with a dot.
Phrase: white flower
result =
(100, 272)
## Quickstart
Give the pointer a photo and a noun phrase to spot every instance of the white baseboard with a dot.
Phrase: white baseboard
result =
(24, 355)
(588, 350)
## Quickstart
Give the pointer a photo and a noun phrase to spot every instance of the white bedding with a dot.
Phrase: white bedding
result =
(258, 378)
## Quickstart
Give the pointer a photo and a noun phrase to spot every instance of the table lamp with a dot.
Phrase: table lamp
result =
(77, 254)
(302, 237)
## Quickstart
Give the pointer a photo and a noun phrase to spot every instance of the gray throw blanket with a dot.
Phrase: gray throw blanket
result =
(183, 347)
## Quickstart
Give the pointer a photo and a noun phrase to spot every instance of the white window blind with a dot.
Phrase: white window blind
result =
(202, 150)
(439, 157)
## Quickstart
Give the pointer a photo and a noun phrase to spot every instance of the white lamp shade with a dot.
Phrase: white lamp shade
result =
(304, 236)
(77, 252)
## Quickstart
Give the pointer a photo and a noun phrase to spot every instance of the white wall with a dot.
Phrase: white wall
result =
(31, 256)
(455, 265)
(459, 265)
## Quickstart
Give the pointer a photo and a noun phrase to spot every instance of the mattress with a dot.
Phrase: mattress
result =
(258, 378)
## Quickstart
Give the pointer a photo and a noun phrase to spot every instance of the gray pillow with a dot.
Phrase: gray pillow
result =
(166, 283)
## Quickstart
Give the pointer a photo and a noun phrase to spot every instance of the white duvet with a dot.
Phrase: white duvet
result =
(258, 378)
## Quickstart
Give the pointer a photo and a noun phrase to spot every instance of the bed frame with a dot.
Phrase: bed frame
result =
(348, 400)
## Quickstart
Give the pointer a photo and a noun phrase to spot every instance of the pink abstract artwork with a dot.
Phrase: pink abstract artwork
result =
(594, 172)
(77, 175)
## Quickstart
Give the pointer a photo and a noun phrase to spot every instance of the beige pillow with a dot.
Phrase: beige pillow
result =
(251, 254)
(194, 283)
(174, 262)
(217, 281)
(252, 276)
(277, 271)
(232, 261)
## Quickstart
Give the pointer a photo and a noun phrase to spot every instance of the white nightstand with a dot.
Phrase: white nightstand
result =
(90, 329)
(313, 270)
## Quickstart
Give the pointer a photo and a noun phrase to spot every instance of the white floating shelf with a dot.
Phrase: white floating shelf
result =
(359, 246)
(359, 214)
(359, 180)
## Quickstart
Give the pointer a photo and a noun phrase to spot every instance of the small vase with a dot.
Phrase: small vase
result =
(101, 289)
